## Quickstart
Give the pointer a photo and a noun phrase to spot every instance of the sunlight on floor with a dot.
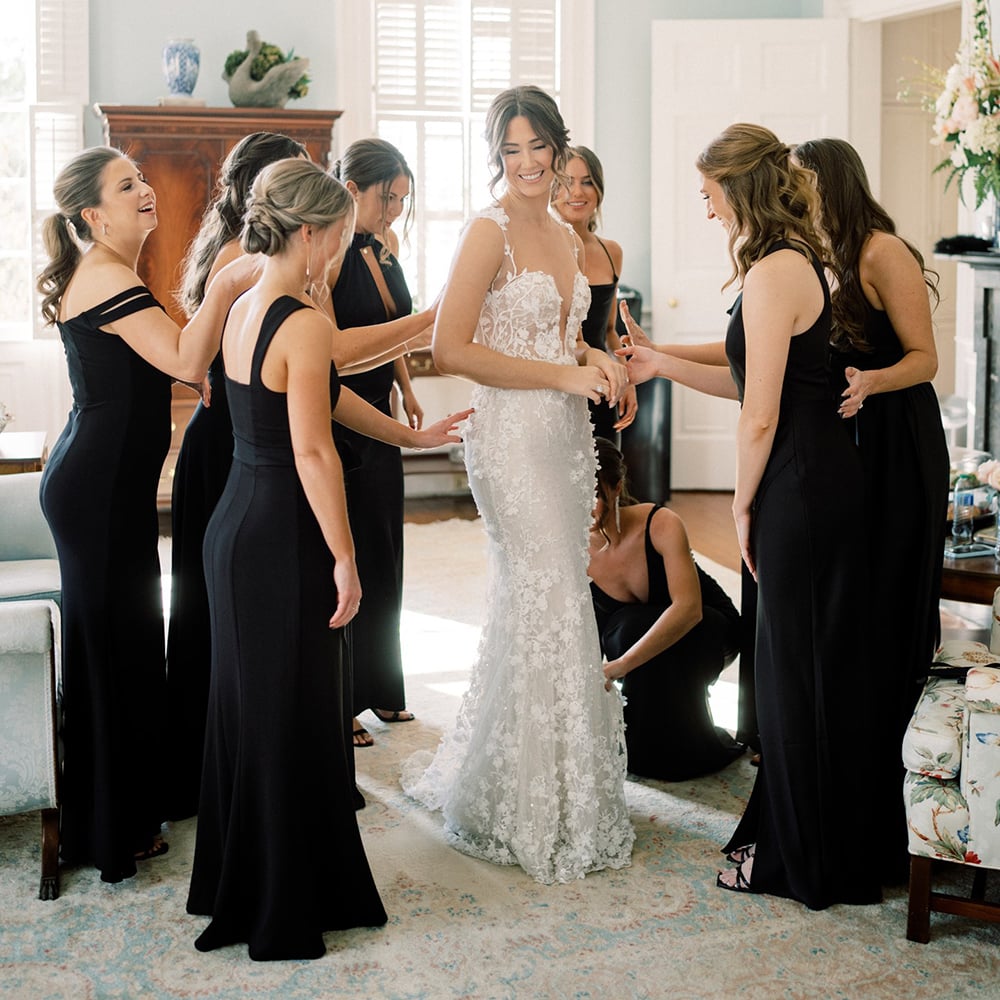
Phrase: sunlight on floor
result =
(435, 645)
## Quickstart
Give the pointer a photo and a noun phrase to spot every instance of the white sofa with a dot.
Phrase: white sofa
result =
(29, 665)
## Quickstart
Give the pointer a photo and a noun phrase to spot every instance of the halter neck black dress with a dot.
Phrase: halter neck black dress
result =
(278, 857)
(595, 331)
(199, 479)
(669, 730)
(812, 673)
(98, 494)
(373, 477)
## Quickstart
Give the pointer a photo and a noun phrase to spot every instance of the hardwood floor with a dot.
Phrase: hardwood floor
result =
(708, 517)
(709, 521)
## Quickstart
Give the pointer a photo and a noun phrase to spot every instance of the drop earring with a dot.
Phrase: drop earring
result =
(105, 229)
(618, 517)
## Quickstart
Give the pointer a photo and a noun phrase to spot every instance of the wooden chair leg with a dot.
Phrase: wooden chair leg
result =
(979, 885)
(918, 918)
(49, 887)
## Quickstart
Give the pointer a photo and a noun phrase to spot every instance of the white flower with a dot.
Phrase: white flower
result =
(982, 136)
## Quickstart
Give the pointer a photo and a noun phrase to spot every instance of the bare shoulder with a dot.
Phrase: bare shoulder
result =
(667, 531)
(615, 250)
(481, 246)
(885, 254)
(229, 252)
(95, 282)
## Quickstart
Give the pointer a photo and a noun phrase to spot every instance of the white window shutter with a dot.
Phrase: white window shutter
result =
(437, 66)
(62, 35)
(62, 68)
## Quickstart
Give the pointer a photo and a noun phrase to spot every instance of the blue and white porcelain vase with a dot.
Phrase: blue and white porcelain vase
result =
(181, 62)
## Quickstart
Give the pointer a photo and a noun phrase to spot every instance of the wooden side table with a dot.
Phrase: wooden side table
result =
(22, 451)
(970, 580)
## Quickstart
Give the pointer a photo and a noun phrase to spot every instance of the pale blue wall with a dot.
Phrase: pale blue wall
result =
(127, 41)
(622, 111)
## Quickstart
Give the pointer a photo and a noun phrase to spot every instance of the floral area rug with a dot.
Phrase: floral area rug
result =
(462, 928)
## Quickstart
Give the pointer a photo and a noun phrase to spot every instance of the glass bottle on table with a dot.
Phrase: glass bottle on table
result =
(962, 513)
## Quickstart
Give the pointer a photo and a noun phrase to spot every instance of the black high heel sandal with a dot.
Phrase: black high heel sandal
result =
(742, 883)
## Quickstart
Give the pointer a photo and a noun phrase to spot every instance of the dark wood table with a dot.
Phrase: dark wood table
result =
(22, 451)
(970, 580)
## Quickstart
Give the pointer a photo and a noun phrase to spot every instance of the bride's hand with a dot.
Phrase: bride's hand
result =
(586, 380)
(615, 372)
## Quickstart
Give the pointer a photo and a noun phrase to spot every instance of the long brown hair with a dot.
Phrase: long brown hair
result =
(223, 219)
(543, 114)
(375, 161)
(771, 197)
(850, 214)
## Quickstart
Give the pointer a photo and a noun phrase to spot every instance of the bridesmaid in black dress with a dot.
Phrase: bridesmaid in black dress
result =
(370, 288)
(278, 858)
(883, 359)
(579, 204)
(667, 629)
(799, 507)
(99, 496)
(200, 476)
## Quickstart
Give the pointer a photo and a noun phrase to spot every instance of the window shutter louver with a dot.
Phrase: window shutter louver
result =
(62, 70)
(438, 65)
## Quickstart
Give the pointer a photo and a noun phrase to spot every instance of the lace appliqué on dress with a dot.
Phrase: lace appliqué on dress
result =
(533, 772)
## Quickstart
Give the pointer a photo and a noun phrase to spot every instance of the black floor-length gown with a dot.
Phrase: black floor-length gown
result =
(814, 703)
(278, 857)
(905, 457)
(595, 333)
(374, 481)
(669, 730)
(98, 493)
(199, 479)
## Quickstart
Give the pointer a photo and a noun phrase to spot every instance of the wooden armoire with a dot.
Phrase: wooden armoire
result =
(180, 149)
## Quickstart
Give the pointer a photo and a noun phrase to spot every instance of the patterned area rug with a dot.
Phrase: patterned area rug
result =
(461, 928)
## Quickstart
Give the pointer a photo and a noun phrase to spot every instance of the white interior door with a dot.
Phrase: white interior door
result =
(791, 75)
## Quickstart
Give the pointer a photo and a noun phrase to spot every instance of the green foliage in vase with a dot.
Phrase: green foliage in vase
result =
(268, 57)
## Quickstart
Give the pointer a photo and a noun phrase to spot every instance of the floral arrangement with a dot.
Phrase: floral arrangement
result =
(989, 473)
(967, 110)
(264, 59)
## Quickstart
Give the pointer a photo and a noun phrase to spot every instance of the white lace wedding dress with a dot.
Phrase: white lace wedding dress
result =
(533, 772)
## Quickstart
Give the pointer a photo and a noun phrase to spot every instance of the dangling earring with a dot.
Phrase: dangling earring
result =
(105, 229)
(618, 518)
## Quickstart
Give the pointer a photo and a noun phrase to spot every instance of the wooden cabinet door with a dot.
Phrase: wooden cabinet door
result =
(180, 150)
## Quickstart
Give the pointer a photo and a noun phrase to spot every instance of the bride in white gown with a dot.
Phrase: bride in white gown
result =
(533, 772)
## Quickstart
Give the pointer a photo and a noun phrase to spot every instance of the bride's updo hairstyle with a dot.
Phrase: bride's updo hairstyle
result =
(769, 194)
(543, 113)
(287, 195)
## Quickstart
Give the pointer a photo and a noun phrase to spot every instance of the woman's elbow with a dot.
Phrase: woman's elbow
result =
(445, 358)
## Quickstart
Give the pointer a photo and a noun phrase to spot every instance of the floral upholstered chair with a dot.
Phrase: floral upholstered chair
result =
(951, 752)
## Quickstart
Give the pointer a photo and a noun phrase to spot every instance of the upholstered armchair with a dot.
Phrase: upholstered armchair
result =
(29, 664)
(29, 568)
(951, 751)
